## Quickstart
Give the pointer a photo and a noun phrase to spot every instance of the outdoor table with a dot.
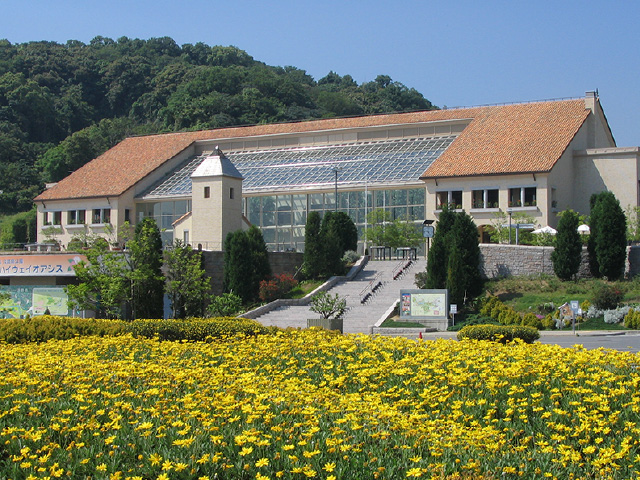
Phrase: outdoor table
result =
(407, 252)
(380, 252)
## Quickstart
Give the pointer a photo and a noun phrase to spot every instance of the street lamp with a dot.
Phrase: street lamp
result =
(336, 170)
(509, 211)
(427, 233)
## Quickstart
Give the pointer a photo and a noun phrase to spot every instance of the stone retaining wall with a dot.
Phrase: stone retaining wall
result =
(281, 262)
(506, 260)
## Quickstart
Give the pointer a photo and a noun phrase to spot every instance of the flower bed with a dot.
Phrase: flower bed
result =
(307, 404)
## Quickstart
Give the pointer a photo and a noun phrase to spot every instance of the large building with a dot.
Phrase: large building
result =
(538, 158)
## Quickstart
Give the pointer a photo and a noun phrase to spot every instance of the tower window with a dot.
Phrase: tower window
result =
(207, 192)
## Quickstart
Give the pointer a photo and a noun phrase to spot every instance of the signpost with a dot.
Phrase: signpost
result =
(427, 232)
(453, 309)
(575, 307)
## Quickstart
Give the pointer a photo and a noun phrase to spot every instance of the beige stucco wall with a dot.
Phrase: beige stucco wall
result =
(612, 169)
(209, 227)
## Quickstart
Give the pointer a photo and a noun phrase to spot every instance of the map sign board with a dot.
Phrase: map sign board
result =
(424, 304)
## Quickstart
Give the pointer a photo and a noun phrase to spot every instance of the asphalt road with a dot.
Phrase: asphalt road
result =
(621, 341)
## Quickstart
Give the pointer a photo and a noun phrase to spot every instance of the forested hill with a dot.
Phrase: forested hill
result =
(62, 105)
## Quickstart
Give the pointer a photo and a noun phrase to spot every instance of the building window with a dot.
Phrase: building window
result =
(207, 192)
(486, 198)
(231, 193)
(52, 218)
(127, 215)
(453, 198)
(76, 217)
(101, 216)
(522, 197)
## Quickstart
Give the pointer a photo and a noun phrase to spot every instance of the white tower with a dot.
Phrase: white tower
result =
(216, 201)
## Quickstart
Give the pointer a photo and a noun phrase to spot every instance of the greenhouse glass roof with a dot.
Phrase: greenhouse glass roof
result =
(392, 161)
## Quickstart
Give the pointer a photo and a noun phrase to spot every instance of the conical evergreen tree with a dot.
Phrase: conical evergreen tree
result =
(464, 236)
(259, 258)
(238, 267)
(312, 246)
(568, 246)
(438, 253)
(611, 240)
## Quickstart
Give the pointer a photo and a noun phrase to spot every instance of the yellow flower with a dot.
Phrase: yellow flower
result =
(329, 467)
(263, 462)
(414, 472)
(101, 468)
(245, 451)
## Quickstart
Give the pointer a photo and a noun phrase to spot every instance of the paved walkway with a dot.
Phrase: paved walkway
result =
(623, 341)
(359, 317)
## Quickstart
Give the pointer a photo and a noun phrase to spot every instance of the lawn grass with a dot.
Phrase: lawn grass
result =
(394, 322)
(529, 294)
(304, 287)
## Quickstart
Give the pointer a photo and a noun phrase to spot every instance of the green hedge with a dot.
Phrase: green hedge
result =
(196, 329)
(499, 333)
(49, 327)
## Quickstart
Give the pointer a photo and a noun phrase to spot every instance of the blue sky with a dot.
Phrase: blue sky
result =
(456, 53)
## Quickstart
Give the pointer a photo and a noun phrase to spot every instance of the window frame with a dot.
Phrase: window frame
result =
(450, 199)
(486, 203)
(80, 217)
(101, 216)
(522, 203)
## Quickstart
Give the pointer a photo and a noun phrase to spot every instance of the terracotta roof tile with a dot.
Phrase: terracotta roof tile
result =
(524, 137)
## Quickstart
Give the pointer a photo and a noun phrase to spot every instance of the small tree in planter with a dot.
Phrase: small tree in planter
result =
(331, 309)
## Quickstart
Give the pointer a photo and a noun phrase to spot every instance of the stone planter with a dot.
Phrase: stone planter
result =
(326, 323)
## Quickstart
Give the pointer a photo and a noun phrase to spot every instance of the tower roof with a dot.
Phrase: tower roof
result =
(216, 165)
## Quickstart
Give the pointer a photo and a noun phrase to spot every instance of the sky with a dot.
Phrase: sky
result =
(456, 53)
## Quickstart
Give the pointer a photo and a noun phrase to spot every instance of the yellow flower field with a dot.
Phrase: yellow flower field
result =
(308, 404)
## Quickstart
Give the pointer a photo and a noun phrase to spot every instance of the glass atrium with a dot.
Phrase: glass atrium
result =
(281, 186)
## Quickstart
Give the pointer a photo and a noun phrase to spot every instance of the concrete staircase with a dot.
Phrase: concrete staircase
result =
(376, 279)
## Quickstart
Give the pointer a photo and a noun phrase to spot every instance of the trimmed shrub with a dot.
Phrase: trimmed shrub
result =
(548, 322)
(472, 319)
(499, 333)
(350, 257)
(51, 327)
(606, 297)
(632, 319)
(225, 305)
(277, 287)
(616, 315)
(196, 329)
(531, 320)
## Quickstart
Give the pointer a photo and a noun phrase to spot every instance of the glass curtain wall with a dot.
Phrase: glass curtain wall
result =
(164, 213)
(282, 218)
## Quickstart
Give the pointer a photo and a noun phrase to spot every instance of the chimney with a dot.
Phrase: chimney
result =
(590, 99)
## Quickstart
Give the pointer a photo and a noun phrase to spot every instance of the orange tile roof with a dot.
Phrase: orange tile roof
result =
(501, 139)
(508, 139)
